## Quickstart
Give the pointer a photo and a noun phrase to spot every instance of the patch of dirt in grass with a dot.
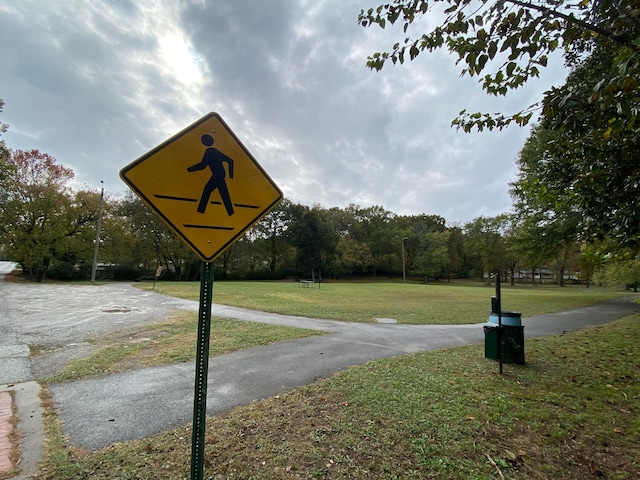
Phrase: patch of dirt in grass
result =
(135, 337)
(47, 362)
(528, 454)
(273, 439)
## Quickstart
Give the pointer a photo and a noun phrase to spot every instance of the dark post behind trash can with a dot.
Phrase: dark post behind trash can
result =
(503, 333)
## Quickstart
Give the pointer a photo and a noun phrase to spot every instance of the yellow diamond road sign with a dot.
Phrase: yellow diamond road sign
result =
(205, 185)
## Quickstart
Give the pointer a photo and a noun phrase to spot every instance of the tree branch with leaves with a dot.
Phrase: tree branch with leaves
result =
(506, 42)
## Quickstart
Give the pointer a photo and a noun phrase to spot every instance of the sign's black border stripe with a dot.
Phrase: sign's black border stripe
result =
(210, 227)
(170, 197)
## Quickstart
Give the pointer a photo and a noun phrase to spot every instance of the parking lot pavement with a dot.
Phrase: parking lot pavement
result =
(58, 320)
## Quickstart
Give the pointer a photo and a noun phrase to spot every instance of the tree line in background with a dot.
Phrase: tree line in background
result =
(49, 229)
(576, 197)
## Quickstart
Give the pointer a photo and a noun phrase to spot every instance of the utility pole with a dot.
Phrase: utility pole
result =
(404, 276)
(94, 268)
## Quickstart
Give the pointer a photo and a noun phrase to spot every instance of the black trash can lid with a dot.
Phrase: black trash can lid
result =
(510, 313)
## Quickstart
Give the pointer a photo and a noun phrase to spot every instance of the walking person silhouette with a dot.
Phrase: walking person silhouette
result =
(214, 159)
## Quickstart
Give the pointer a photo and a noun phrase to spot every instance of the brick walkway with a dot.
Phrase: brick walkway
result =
(5, 431)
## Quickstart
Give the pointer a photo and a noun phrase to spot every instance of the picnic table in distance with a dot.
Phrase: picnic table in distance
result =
(306, 283)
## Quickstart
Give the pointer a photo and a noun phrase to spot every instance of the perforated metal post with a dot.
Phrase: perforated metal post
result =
(202, 370)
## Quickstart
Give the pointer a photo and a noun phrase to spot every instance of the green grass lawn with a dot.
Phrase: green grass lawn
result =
(573, 412)
(435, 303)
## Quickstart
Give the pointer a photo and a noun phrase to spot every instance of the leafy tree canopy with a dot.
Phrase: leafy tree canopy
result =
(38, 215)
(583, 158)
(507, 42)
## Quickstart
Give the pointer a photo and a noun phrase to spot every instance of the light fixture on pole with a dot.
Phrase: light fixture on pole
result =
(94, 268)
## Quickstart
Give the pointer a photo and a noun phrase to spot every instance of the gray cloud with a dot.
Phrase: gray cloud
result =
(97, 84)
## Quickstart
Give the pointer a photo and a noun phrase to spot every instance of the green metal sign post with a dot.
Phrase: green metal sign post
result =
(246, 195)
(202, 370)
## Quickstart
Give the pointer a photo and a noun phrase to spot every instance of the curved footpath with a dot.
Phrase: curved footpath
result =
(100, 411)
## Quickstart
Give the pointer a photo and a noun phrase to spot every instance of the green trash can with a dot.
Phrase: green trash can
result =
(509, 318)
(512, 338)
(491, 342)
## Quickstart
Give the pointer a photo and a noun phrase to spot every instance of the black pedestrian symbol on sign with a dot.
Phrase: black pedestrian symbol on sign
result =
(214, 159)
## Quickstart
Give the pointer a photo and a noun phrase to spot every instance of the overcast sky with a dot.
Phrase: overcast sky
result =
(99, 83)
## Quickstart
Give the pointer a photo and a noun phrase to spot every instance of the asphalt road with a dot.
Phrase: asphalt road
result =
(58, 320)
(100, 411)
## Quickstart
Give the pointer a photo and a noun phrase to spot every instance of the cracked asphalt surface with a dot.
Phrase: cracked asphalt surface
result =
(59, 319)
(97, 412)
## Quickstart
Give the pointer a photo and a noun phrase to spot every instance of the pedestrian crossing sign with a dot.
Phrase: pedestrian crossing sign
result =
(205, 185)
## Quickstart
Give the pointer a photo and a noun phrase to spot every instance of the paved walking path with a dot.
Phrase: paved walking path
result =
(100, 411)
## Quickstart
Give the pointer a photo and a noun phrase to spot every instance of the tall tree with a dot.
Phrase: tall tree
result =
(550, 220)
(156, 244)
(458, 267)
(372, 229)
(38, 214)
(271, 230)
(433, 257)
(352, 257)
(485, 241)
(118, 241)
(625, 271)
(589, 155)
(314, 241)
(5, 167)
(424, 245)
(77, 246)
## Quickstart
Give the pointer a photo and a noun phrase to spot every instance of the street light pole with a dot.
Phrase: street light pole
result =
(94, 268)
(404, 276)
